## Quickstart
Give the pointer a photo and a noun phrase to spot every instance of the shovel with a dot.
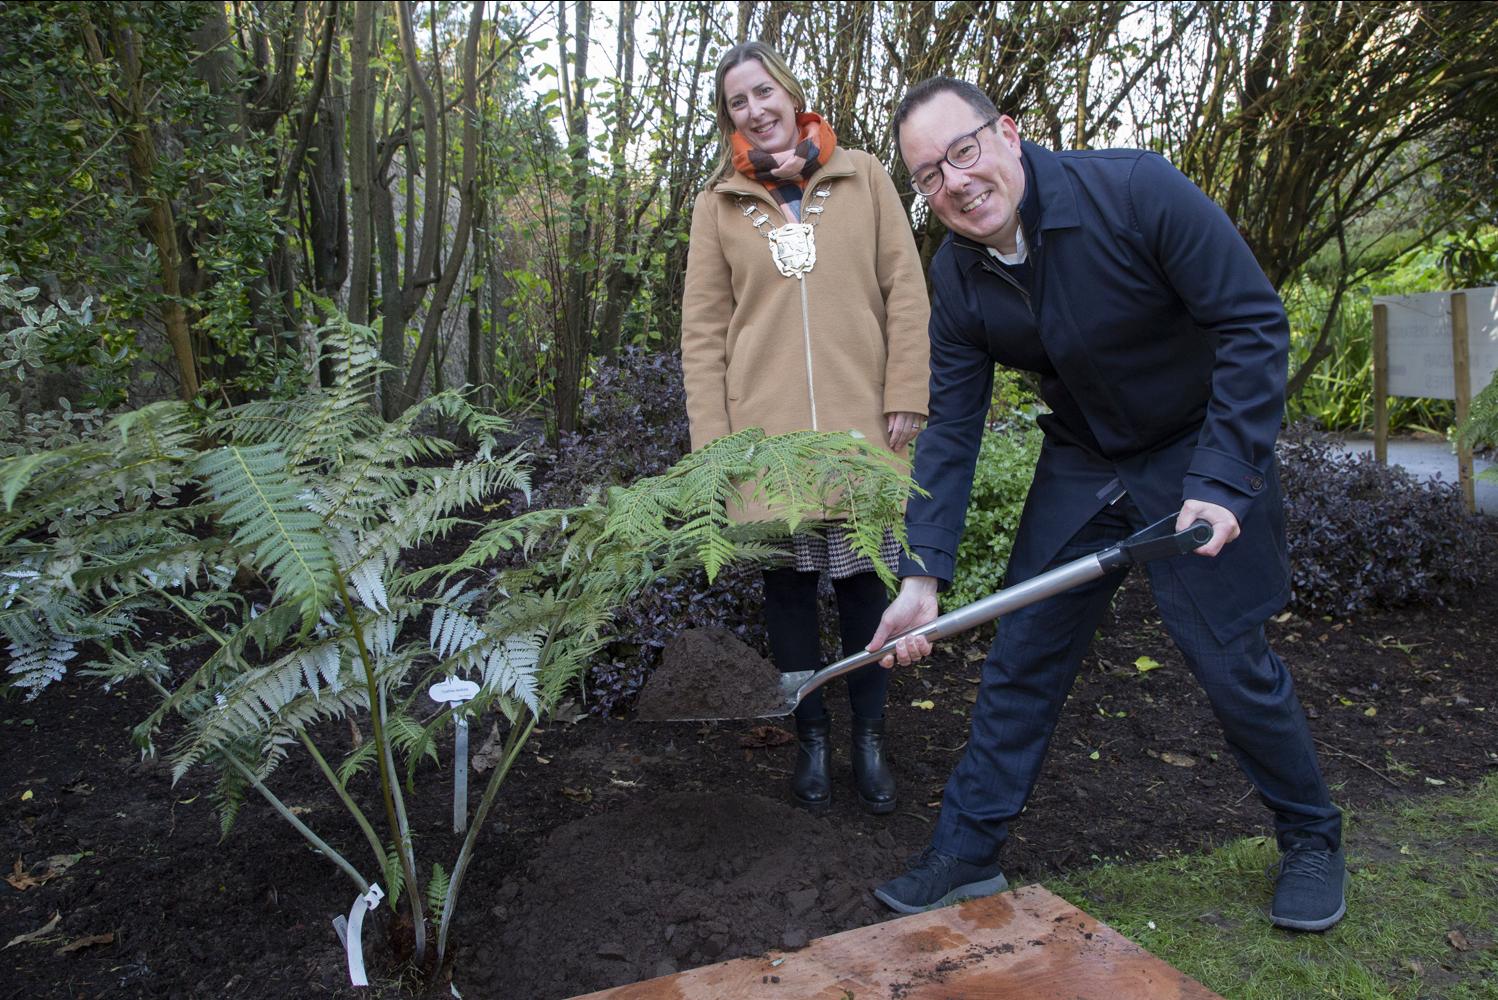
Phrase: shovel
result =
(1158, 541)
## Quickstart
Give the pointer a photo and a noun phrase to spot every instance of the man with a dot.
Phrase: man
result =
(1161, 350)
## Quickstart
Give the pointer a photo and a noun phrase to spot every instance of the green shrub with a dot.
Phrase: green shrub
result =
(1006, 464)
(1481, 426)
(1339, 394)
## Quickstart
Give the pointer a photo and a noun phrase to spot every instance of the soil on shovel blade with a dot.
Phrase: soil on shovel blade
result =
(709, 673)
(619, 849)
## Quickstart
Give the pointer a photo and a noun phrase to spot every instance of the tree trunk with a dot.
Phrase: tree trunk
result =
(622, 231)
(573, 335)
(128, 103)
(431, 132)
(361, 116)
(431, 328)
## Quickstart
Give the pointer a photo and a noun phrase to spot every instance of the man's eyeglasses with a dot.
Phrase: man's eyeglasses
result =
(962, 153)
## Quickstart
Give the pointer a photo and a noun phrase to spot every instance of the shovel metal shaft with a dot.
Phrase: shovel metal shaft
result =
(969, 616)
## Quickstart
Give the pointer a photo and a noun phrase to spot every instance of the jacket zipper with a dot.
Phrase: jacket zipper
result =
(811, 382)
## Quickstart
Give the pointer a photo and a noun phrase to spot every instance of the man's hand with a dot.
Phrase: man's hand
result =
(1224, 524)
(913, 607)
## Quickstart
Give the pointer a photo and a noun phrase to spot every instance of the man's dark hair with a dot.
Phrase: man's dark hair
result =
(927, 89)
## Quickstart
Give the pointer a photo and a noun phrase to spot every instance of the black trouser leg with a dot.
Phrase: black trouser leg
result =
(861, 600)
(791, 625)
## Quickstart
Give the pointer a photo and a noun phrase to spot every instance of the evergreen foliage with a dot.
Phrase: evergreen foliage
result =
(1001, 481)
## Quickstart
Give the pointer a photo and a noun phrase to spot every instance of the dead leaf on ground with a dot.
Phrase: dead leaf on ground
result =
(22, 878)
(1178, 759)
(765, 736)
(36, 935)
(84, 942)
(1458, 940)
(490, 754)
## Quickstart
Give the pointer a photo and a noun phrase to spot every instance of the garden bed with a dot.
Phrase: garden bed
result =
(625, 850)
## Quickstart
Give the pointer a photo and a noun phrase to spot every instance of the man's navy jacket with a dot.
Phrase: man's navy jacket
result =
(1164, 357)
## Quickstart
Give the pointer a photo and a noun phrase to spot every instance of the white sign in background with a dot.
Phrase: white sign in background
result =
(1420, 361)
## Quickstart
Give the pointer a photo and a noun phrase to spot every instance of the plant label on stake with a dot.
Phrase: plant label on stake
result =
(455, 692)
(351, 932)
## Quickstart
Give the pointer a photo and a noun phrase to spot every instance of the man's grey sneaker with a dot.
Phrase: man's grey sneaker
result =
(1309, 894)
(936, 879)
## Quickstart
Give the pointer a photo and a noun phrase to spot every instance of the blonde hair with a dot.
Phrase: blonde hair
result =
(779, 72)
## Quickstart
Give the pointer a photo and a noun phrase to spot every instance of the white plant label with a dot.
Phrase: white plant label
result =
(453, 691)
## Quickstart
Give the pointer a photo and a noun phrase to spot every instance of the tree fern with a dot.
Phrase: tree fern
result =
(158, 514)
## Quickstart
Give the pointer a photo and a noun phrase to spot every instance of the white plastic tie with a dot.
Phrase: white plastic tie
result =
(351, 932)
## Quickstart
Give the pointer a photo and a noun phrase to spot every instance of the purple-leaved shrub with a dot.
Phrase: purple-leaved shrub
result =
(1366, 535)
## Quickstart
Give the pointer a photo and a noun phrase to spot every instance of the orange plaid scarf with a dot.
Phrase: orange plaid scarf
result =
(785, 174)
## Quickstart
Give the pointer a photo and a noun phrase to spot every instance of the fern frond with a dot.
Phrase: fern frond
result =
(265, 505)
(423, 516)
(228, 796)
(306, 685)
(354, 763)
(437, 887)
(34, 666)
(395, 877)
(317, 428)
(133, 462)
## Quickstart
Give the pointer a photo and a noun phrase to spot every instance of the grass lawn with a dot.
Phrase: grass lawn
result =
(1422, 910)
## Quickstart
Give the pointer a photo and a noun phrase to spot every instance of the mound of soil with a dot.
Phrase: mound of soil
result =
(709, 673)
(677, 882)
(619, 849)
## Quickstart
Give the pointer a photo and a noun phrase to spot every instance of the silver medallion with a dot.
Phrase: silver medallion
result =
(794, 248)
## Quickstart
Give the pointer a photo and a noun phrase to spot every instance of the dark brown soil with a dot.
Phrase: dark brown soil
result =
(622, 849)
(709, 673)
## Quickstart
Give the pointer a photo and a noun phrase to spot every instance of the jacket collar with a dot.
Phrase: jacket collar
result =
(840, 164)
(1049, 202)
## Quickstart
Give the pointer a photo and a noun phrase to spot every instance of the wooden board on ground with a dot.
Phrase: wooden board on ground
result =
(1023, 945)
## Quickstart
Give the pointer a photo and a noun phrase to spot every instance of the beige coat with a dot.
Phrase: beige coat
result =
(862, 352)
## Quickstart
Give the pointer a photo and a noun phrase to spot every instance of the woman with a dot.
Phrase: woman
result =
(805, 309)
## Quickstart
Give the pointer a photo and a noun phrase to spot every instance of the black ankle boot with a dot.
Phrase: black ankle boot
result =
(811, 785)
(876, 786)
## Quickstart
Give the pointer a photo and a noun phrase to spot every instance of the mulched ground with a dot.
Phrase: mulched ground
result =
(621, 850)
